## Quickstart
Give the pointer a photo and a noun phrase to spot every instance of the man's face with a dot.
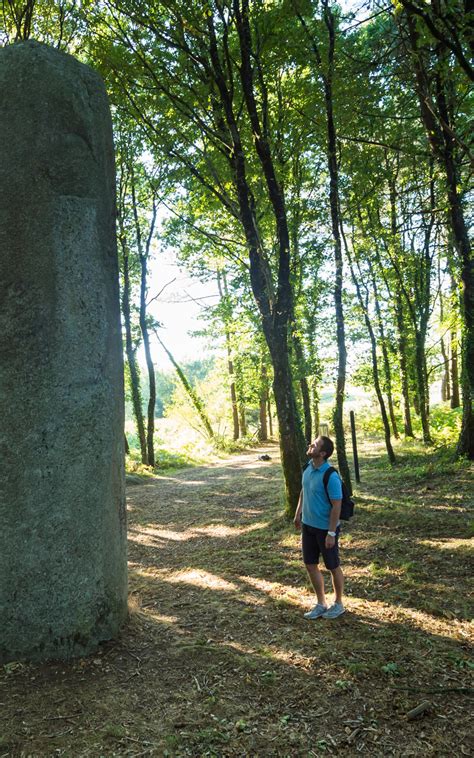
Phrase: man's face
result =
(314, 450)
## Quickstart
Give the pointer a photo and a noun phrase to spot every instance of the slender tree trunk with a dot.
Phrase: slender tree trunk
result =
(338, 418)
(296, 341)
(421, 386)
(326, 75)
(275, 308)
(233, 400)
(416, 401)
(464, 253)
(404, 375)
(303, 382)
(440, 135)
(402, 340)
(270, 420)
(378, 392)
(131, 356)
(388, 379)
(151, 371)
(373, 349)
(263, 429)
(222, 287)
(308, 433)
(316, 417)
(144, 253)
(445, 381)
(455, 401)
(150, 431)
(243, 419)
(385, 357)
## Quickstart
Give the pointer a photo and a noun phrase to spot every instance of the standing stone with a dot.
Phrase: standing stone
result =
(63, 585)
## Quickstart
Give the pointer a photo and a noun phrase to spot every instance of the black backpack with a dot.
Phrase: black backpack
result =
(347, 504)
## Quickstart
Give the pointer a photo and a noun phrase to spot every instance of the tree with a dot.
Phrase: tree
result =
(326, 75)
(435, 83)
(225, 144)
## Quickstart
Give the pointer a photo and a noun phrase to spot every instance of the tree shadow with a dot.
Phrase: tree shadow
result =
(217, 658)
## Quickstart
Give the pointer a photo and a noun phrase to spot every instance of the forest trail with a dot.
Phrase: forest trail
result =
(217, 659)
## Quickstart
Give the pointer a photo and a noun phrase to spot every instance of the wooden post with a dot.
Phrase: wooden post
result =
(354, 446)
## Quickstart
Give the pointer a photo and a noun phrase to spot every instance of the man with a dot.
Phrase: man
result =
(318, 518)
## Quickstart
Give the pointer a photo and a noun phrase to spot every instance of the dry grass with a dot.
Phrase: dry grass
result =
(217, 659)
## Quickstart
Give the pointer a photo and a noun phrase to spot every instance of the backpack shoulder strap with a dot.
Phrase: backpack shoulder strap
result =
(326, 476)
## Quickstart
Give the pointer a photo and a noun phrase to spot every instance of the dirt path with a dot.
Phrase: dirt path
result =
(217, 659)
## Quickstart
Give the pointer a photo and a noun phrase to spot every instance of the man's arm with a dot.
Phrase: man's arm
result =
(299, 508)
(333, 519)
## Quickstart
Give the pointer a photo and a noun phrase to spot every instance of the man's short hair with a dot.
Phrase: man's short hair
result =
(327, 446)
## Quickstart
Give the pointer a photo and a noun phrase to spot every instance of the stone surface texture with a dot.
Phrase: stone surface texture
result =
(63, 582)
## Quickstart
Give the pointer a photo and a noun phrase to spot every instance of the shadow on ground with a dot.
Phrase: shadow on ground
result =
(217, 658)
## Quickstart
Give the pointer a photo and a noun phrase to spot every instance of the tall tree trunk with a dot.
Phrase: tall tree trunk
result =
(401, 341)
(403, 359)
(316, 417)
(378, 390)
(446, 380)
(441, 137)
(150, 368)
(222, 287)
(144, 255)
(303, 381)
(385, 357)
(263, 429)
(308, 432)
(462, 245)
(326, 76)
(243, 419)
(455, 401)
(270, 420)
(335, 225)
(421, 386)
(373, 350)
(131, 355)
(275, 308)
(233, 400)
(288, 419)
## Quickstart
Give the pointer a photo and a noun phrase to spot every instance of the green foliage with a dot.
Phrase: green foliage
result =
(164, 459)
(446, 423)
(173, 147)
(391, 669)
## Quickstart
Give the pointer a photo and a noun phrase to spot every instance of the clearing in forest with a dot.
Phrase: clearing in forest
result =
(217, 659)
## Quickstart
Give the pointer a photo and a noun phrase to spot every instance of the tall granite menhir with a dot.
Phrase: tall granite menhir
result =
(62, 514)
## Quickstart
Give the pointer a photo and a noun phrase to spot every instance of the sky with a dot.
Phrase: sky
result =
(181, 299)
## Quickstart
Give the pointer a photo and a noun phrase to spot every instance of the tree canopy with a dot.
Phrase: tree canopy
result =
(314, 161)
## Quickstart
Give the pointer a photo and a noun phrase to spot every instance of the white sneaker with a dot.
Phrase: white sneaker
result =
(334, 611)
(316, 612)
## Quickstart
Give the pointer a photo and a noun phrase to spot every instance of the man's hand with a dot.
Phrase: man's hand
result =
(330, 541)
(297, 520)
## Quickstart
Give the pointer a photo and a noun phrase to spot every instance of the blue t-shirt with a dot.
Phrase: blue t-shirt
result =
(316, 506)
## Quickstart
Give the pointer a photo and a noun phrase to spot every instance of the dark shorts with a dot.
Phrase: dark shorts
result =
(313, 546)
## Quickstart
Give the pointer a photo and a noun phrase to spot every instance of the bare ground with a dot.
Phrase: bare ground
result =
(217, 659)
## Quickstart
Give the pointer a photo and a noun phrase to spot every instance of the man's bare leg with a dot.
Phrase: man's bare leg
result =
(317, 580)
(337, 583)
